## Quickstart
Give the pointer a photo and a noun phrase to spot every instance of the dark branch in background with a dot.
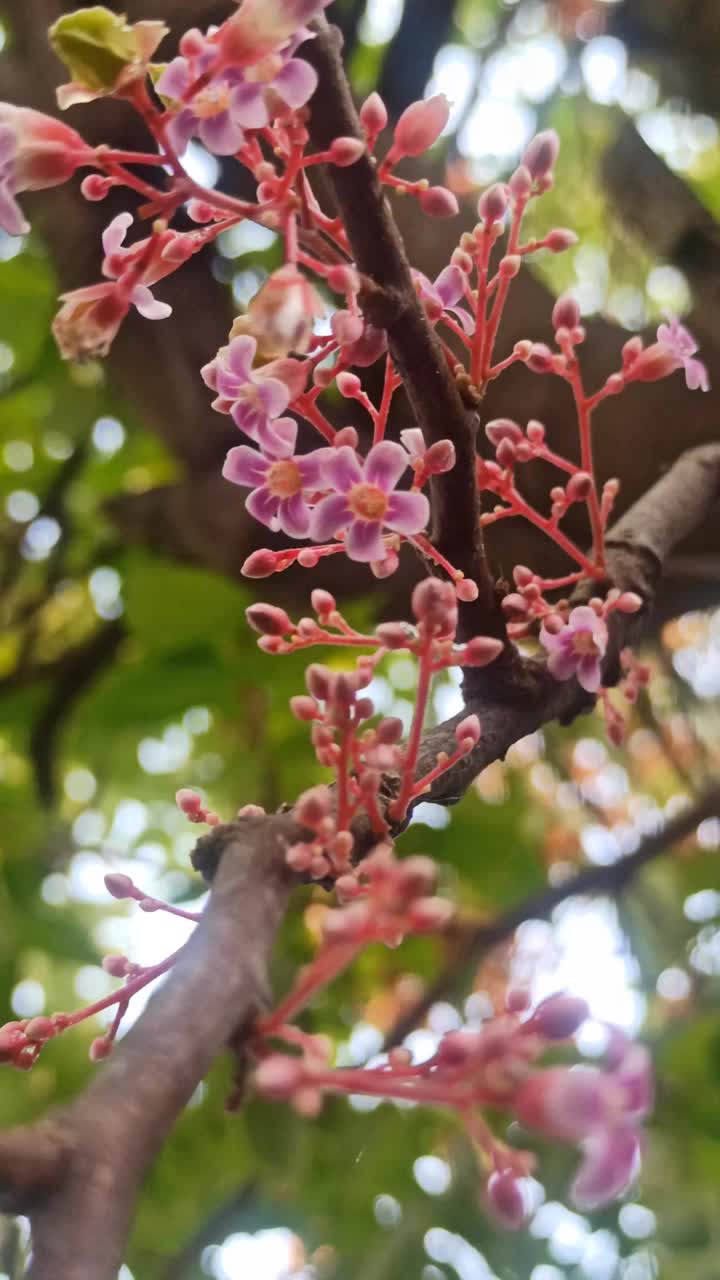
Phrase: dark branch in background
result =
(609, 880)
(77, 672)
(425, 26)
(390, 302)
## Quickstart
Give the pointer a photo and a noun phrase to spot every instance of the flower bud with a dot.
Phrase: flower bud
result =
(346, 328)
(506, 1200)
(510, 265)
(188, 801)
(579, 487)
(40, 1029)
(540, 359)
(313, 806)
(428, 914)
(278, 1076)
(373, 115)
(520, 182)
(440, 457)
(434, 603)
(268, 620)
(629, 602)
(566, 312)
(560, 239)
(320, 681)
(541, 154)
(481, 650)
(261, 564)
(393, 635)
(120, 886)
(349, 385)
(506, 453)
(100, 1048)
(439, 202)
(420, 125)
(492, 205)
(346, 151)
(559, 1016)
(467, 732)
(503, 429)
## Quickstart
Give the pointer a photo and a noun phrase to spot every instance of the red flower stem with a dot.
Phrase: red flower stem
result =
(502, 292)
(388, 391)
(426, 548)
(305, 405)
(125, 993)
(328, 963)
(519, 507)
(398, 809)
(343, 776)
(587, 464)
(103, 154)
(456, 329)
(482, 259)
(439, 769)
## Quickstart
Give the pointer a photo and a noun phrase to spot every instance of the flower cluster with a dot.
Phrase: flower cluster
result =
(597, 1109)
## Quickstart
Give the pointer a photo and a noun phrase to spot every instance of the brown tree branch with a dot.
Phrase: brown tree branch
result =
(609, 880)
(390, 302)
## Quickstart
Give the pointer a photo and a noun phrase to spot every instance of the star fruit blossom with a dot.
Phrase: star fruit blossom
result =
(365, 502)
(443, 294)
(600, 1110)
(36, 151)
(278, 486)
(233, 100)
(256, 399)
(679, 341)
(578, 648)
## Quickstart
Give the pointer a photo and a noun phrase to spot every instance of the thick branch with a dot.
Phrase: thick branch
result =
(609, 880)
(121, 1122)
(391, 303)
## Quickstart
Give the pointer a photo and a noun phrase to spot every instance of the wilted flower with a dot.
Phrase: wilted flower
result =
(281, 315)
(366, 501)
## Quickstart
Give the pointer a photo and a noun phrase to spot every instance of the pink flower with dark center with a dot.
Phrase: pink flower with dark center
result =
(254, 398)
(578, 649)
(35, 152)
(679, 341)
(365, 501)
(279, 486)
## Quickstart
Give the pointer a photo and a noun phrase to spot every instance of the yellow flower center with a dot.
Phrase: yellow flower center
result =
(583, 643)
(211, 102)
(284, 479)
(367, 501)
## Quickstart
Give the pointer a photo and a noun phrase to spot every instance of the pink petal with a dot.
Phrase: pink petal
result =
(588, 673)
(450, 285)
(342, 469)
(180, 130)
(296, 82)
(273, 395)
(248, 106)
(263, 506)
(8, 143)
(610, 1164)
(149, 306)
(221, 134)
(364, 541)
(175, 79)
(414, 441)
(583, 618)
(385, 464)
(562, 664)
(12, 219)
(696, 376)
(240, 356)
(114, 234)
(245, 466)
(329, 517)
(276, 438)
(294, 516)
(311, 466)
(407, 512)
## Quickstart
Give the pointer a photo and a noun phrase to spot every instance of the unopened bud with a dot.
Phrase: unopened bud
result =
(492, 205)
(467, 732)
(438, 202)
(268, 620)
(420, 125)
(346, 151)
(629, 602)
(559, 1016)
(440, 457)
(261, 564)
(467, 590)
(428, 914)
(520, 182)
(560, 239)
(120, 886)
(348, 384)
(503, 429)
(312, 806)
(304, 708)
(506, 1200)
(541, 154)
(373, 114)
(566, 312)
(540, 358)
(481, 650)
(535, 432)
(579, 487)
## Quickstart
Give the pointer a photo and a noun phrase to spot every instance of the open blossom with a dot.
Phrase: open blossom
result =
(443, 294)
(601, 1111)
(255, 398)
(678, 340)
(577, 650)
(366, 501)
(35, 152)
(279, 486)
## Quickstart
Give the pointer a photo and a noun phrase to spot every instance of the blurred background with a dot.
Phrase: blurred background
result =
(126, 668)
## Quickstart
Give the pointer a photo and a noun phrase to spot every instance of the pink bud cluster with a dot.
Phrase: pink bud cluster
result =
(598, 1109)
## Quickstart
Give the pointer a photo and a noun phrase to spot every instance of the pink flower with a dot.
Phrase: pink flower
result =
(279, 486)
(35, 152)
(366, 501)
(679, 341)
(577, 650)
(443, 295)
(254, 398)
